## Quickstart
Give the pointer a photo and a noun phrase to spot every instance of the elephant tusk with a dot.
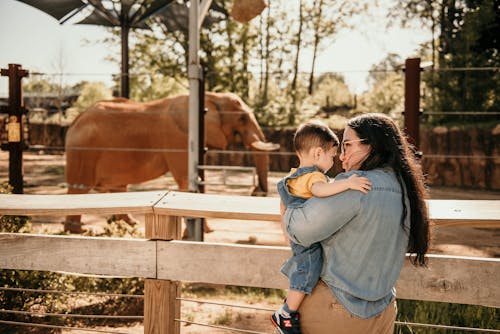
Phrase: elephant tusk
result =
(261, 146)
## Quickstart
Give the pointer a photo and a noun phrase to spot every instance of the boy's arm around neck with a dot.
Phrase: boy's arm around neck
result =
(354, 182)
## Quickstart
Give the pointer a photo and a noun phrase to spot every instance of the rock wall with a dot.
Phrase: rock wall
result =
(452, 156)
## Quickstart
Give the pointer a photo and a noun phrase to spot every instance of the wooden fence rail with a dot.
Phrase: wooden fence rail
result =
(165, 264)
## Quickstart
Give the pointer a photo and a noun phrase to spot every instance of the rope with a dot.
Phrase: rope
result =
(73, 315)
(18, 323)
(224, 304)
(72, 293)
(472, 329)
(219, 327)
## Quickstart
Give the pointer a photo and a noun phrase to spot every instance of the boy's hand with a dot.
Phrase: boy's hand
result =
(360, 183)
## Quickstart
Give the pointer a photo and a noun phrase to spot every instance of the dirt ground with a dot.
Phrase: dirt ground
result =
(44, 174)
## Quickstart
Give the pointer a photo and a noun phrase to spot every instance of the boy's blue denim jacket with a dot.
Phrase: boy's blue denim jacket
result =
(363, 239)
(289, 199)
(303, 269)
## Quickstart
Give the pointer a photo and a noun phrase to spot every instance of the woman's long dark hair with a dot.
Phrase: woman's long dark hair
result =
(389, 147)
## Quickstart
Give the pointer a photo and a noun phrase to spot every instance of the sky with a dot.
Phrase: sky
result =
(35, 40)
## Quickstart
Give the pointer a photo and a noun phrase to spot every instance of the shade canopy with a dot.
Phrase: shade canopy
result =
(125, 14)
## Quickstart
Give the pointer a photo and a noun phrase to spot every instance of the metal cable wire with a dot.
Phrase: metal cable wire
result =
(462, 69)
(451, 156)
(250, 152)
(460, 113)
(471, 329)
(125, 149)
(241, 152)
(201, 301)
(160, 150)
(386, 70)
(73, 315)
(29, 324)
(219, 327)
(101, 294)
(397, 322)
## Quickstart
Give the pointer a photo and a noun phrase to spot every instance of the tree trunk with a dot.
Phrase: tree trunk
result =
(291, 119)
(266, 55)
(317, 37)
(230, 54)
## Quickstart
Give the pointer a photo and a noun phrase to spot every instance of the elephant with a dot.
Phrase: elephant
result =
(130, 132)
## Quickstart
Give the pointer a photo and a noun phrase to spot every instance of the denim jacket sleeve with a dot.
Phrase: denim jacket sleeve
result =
(319, 218)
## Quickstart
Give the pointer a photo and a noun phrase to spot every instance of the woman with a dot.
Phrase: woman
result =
(364, 237)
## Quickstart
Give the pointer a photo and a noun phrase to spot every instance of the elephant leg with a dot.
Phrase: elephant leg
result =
(127, 218)
(72, 223)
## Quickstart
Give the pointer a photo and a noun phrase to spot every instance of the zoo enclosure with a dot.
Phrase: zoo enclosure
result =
(165, 262)
(445, 163)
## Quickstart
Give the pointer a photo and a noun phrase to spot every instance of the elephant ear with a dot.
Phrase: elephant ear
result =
(214, 136)
(261, 146)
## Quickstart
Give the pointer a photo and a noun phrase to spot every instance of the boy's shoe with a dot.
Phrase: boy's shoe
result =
(286, 325)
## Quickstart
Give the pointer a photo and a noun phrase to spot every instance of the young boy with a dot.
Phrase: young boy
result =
(316, 145)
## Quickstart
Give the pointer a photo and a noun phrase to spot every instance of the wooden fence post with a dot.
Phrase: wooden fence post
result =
(412, 100)
(161, 297)
(16, 110)
(161, 306)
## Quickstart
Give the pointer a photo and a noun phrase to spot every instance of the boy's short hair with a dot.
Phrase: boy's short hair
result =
(314, 133)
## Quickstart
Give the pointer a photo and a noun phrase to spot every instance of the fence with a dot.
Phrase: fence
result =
(164, 262)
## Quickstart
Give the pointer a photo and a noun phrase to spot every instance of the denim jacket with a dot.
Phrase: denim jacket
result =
(363, 239)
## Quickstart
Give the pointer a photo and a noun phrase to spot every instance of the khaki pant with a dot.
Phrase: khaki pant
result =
(320, 313)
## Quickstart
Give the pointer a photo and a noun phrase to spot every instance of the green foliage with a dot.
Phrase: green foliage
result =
(198, 290)
(386, 96)
(40, 85)
(331, 92)
(224, 319)
(14, 224)
(149, 88)
(466, 41)
(91, 93)
(444, 314)
(119, 228)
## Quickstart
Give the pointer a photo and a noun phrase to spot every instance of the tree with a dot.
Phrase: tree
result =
(390, 64)
(328, 17)
(90, 94)
(331, 93)
(467, 41)
(232, 54)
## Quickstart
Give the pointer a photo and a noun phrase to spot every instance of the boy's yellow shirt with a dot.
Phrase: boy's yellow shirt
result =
(302, 185)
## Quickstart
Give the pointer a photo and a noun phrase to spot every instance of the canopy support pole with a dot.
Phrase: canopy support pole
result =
(195, 75)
